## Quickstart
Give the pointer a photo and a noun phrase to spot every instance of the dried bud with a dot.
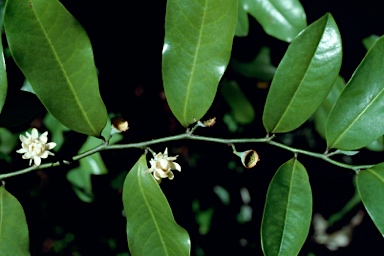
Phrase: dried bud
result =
(208, 123)
(248, 158)
(119, 125)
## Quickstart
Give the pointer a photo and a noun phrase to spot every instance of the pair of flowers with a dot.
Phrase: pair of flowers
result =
(35, 147)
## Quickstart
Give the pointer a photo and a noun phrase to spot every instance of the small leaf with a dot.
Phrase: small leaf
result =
(370, 184)
(151, 228)
(196, 51)
(288, 211)
(80, 177)
(260, 67)
(14, 237)
(304, 77)
(354, 121)
(65, 78)
(241, 109)
(283, 19)
(242, 27)
(3, 75)
(322, 113)
(369, 41)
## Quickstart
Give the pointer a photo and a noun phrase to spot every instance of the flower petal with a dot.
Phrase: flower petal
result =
(50, 145)
(35, 134)
(175, 166)
(170, 175)
(21, 151)
(43, 137)
(23, 138)
(45, 154)
(37, 160)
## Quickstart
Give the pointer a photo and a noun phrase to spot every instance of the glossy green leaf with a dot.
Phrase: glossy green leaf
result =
(151, 228)
(354, 121)
(288, 211)
(370, 184)
(283, 19)
(242, 27)
(197, 48)
(369, 41)
(322, 113)
(14, 236)
(241, 109)
(260, 67)
(65, 79)
(304, 77)
(3, 77)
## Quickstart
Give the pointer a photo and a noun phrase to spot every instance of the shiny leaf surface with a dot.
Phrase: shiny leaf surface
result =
(288, 211)
(283, 19)
(354, 121)
(370, 184)
(14, 236)
(196, 51)
(241, 109)
(65, 79)
(151, 228)
(304, 77)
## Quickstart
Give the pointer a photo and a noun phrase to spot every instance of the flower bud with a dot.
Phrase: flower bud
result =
(248, 158)
(119, 125)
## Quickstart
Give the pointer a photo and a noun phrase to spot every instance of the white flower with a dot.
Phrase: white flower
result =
(162, 164)
(34, 147)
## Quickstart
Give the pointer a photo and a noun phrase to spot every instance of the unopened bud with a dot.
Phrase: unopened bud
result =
(119, 125)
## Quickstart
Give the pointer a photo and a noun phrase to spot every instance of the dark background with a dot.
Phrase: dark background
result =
(127, 40)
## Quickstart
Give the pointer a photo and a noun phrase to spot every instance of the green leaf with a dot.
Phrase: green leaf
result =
(370, 184)
(260, 67)
(322, 113)
(369, 41)
(241, 109)
(242, 27)
(354, 121)
(288, 211)
(304, 77)
(283, 19)
(14, 237)
(151, 228)
(65, 79)
(3, 77)
(197, 48)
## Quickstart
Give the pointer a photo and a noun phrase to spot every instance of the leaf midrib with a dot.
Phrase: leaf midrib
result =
(301, 81)
(66, 76)
(197, 50)
(288, 203)
(150, 211)
(355, 120)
